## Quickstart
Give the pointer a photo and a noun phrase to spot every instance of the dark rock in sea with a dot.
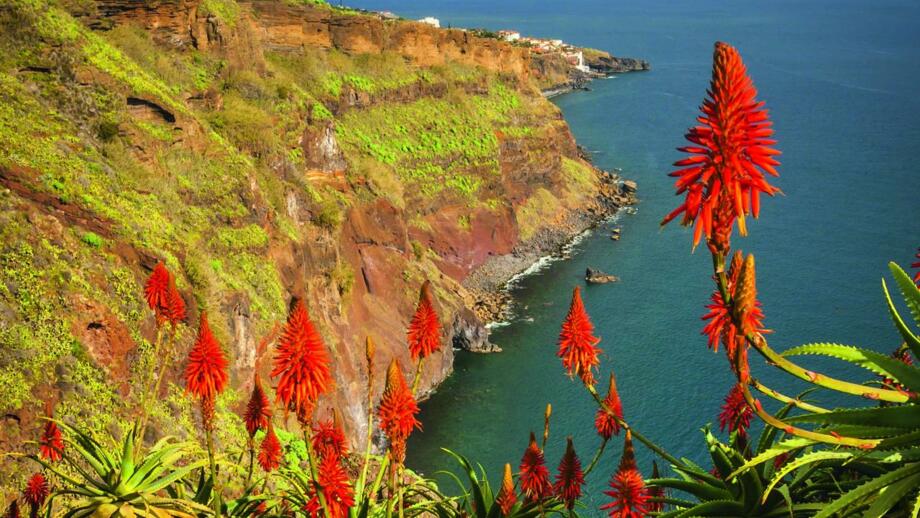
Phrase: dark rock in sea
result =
(598, 277)
(607, 65)
(469, 334)
(630, 186)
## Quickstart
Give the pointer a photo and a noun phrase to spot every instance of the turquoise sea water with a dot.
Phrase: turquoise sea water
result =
(841, 80)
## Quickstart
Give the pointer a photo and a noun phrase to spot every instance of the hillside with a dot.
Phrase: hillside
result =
(262, 150)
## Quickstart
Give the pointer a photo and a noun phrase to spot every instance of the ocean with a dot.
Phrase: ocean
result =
(840, 79)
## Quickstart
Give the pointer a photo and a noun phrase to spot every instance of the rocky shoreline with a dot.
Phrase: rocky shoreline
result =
(488, 283)
(600, 66)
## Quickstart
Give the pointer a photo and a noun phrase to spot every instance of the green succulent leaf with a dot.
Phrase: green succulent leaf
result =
(804, 460)
(909, 290)
(877, 363)
(909, 337)
(778, 449)
(905, 417)
(876, 484)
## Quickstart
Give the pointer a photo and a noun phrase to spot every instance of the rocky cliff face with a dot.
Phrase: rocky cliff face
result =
(263, 151)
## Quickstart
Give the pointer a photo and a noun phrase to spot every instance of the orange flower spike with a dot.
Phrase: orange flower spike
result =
(606, 422)
(301, 364)
(36, 492)
(730, 155)
(334, 480)
(570, 478)
(329, 439)
(577, 343)
(424, 334)
(397, 411)
(506, 497)
(206, 372)
(736, 414)
(535, 483)
(336, 488)
(627, 489)
(656, 491)
(51, 445)
(156, 291)
(175, 305)
(270, 451)
(258, 410)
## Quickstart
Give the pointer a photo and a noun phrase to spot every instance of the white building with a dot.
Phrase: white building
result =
(431, 20)
(509, 35)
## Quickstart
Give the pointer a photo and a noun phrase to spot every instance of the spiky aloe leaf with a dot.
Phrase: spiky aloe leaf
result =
(880, 364)
(810, 458)
(906, 417)
(712, 508)
(909, 337)
(867, 489)
(909, 290)
(475, 490)
(780, 448)
(700, 490)
(890, 495)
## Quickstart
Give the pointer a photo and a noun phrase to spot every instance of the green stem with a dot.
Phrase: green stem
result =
(638, 436)
(210, 441)
(782, 398)
(597, 457)
(252, 456)
(418, 376)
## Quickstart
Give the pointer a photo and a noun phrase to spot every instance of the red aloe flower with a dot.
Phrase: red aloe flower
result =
(36, 491)
(741, 286)
(917, 267)
(258, 410)
(506, 497)
(13, 510)
(627, 489)
(206, 372)
(336, 488)
(570, 477)
(736, 414)
(329, 439)
(424, 334)
(397, 412)
(156, 291)
(51, 445)
(730, 155)
(655, 491)
(534, 476)
(175, 305)
(606, 422)
(270, 450)
(577, 343)
(302, 363)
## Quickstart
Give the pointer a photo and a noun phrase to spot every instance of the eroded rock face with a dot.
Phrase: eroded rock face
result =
(288, 27)
(321, 150)
(106, 339)
(469, 334)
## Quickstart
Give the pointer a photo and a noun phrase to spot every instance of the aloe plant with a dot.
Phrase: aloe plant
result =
(478, 500)
(813, 461)
(102, 481)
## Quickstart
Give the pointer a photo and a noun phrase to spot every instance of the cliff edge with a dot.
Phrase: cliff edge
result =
(263, 150)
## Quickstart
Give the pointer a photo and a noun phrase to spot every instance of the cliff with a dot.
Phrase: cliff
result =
(263, 150)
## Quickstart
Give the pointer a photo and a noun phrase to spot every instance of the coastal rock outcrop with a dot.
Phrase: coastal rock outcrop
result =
(594, 276)
(469, 334)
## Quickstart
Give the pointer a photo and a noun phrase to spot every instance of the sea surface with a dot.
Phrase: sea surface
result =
(841, 79)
